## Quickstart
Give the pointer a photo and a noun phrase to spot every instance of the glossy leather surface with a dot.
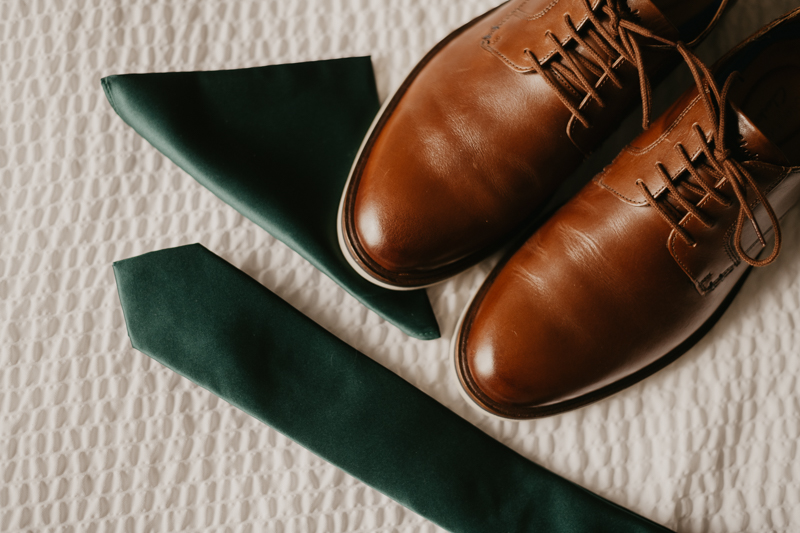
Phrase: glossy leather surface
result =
(606, 292)
(475, 141)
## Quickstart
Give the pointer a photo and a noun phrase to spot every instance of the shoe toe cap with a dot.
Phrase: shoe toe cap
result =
(517, 369)
(524, 350)
(403, 229)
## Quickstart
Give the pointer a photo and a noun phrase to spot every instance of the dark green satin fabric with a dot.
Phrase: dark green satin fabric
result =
(276, 143)
(205, 319)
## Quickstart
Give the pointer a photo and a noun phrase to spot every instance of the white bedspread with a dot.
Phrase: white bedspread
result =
(94, 436)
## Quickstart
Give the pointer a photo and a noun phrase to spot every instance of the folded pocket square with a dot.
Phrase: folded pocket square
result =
(276, 144)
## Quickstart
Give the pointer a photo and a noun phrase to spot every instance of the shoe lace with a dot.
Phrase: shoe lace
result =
(617, 35)
(720, 165)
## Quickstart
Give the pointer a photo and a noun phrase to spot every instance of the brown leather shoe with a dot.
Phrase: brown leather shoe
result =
(639, 265)
(492, 120)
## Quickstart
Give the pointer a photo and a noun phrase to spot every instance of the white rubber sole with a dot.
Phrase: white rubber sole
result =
(340, 230)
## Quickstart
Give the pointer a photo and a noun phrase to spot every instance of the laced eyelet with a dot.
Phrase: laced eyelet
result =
(721, 166)
(612, 35)
(699, 130)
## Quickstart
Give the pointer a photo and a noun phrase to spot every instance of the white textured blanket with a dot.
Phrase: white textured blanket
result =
(94, 436)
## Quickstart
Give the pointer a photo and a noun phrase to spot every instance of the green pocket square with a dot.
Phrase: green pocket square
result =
(276, 143)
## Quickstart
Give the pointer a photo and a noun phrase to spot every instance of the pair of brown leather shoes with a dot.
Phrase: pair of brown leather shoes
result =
(640, 263)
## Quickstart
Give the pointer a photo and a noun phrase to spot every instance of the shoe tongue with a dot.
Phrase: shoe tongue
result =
(653, 19)
(755, 145)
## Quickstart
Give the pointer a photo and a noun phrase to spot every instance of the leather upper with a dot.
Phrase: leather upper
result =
(606, 287)
(476, 140)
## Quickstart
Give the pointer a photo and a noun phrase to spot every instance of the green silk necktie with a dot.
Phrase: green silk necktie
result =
(205, 319)
(276, 144)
